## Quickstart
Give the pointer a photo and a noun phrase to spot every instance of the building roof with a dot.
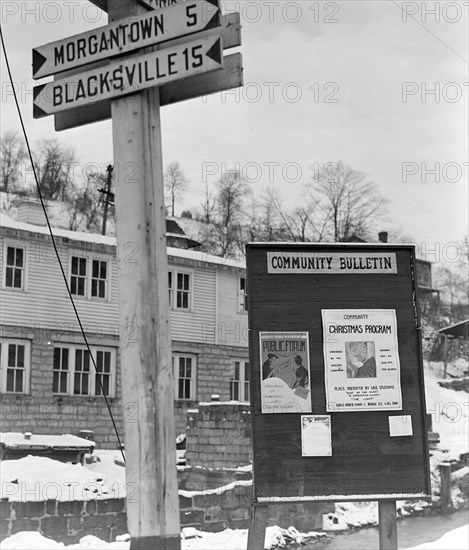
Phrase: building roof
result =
(80, 236)
(458, 330)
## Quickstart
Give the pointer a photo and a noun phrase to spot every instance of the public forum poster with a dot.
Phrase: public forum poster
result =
(361, 359)
(285, 372)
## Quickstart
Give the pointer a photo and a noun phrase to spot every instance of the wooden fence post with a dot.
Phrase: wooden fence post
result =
(387, 525)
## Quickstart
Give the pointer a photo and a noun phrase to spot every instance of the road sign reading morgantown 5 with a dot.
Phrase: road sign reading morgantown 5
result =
(125, 36)
(129, 75)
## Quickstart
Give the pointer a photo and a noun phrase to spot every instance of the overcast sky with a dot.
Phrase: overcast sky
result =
(323, 81)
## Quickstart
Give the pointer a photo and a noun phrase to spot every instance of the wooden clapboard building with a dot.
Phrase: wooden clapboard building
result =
(47, 380)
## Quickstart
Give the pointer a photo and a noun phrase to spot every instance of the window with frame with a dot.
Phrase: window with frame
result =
(15, 366)
(242, 294)
(78, 276)
(239, 381)
(184, 368)
(74, 373)
(89, 278)
(98, 278)
(15, 267)
(180, 289)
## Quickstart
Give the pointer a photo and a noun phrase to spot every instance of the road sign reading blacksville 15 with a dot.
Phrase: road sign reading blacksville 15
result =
(125, 36)
(129, 75)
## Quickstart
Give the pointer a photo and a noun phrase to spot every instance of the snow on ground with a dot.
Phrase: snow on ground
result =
(40, 478)
(230, 539)
(457, 539)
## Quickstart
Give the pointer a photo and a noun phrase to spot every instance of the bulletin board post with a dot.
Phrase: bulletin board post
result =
(337, 388)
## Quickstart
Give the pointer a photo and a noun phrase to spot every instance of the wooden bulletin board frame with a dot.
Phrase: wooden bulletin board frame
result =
(366, 463)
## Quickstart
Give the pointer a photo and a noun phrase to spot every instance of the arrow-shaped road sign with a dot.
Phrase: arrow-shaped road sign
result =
(231, 76)
(129, 75)
(125, 36)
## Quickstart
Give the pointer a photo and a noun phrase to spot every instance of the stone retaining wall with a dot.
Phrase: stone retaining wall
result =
(214, 510)
(219, 435)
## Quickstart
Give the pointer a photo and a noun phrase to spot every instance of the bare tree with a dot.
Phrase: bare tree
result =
(208, 206)
(350, 203)
(54, 165)
(85, 204)
(12, 155)
(175, 183)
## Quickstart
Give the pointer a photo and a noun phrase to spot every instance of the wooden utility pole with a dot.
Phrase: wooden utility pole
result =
(147, 383)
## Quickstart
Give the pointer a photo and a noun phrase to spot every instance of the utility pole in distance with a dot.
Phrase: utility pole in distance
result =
(147, 382)
(108, 197)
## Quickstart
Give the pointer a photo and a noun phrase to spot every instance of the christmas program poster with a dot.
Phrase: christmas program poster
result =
(361, 358)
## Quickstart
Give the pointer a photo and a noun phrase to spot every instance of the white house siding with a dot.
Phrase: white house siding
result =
(45, 303)
(231, 324)
(195, 325)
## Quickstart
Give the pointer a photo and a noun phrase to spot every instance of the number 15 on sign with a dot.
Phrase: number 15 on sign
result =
(123, 77)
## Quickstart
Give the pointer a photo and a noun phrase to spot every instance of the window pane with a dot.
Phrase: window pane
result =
(74, 265)
(181, 389)
(10, 379)
(63, 382)
(103, 270)
(236, 370)
(9, 276)
(81, 287)
(56, 359)
(55, 382)
(95, 268)
(65, 358)
(19, 257)
(10, 256)
(20, 357)
(86, 362)
(107, 361)
(19, 380)
(82, 267)
(76, 383)
(17, 278)
(247, 371)
(12, 355)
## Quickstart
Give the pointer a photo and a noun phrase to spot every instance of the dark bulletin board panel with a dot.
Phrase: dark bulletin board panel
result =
(366, 463)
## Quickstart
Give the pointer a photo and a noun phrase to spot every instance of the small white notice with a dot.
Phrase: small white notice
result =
(316, 435)
(400, 425)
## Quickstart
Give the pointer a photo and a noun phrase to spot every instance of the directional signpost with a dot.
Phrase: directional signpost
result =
(230, 76)
(129, 75)
(188, 58)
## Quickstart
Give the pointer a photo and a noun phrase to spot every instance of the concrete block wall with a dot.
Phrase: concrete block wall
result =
(65, 521)
(219, 435)
(216, 510)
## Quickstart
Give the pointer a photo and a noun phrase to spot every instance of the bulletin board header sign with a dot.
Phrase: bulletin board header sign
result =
(283, 261)
(336, 373)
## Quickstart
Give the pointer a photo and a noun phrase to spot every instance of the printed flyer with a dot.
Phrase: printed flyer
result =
(361, 359)
(316, 439)
(285, 372)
